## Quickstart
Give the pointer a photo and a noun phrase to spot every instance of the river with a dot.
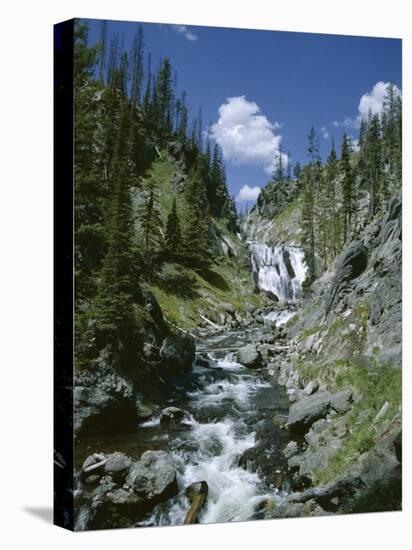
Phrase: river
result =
(232, 434)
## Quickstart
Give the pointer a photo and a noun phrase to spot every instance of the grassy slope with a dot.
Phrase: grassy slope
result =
(183, 293)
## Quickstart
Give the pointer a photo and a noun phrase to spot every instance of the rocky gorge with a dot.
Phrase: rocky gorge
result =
(290, 408)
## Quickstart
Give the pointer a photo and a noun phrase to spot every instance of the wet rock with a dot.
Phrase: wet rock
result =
(294, 462)
(178, 352)
(195, 489)
(249, 356)
(94, 464)
(291, 449)
(118, 465)
(303, 413)
(92, 479)
(272, 296)
(171, 416)
(144, 410)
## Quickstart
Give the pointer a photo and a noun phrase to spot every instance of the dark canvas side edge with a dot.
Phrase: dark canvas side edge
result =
(63, 275)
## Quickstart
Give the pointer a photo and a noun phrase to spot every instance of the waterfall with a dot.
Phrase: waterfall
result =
(279, 269)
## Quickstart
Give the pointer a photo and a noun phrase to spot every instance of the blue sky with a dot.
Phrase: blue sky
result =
(283, 83)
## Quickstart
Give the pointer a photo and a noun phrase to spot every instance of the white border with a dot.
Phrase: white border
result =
(26, 269)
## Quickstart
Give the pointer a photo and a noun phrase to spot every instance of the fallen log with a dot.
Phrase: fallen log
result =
(196, 493)
(95, 466)
(210, 322)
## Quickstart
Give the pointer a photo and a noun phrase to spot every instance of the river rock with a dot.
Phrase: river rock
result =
(249, 356)
(118, 465)
(303, 413)
(153, 477)
(171, 416)
(178, 352)
(291, 449)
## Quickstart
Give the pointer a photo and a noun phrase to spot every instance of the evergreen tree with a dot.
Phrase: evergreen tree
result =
(181, 117)
(348, 187)
(334, 213)
(279, 171)
(289, 167)
(173, 237)
(297, 170)
(102, 48)
(137, 67)
(164, 95)
(197, 227)
(114, 301)
(311, 178)
(148, 92)
(150, 222)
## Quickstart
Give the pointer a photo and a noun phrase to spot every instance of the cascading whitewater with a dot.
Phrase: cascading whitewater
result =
(279, 269)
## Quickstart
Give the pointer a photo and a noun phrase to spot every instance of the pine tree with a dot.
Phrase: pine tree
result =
(311, 177)
(289, 167)
(137, 67)
(114, 301)
(173, 236)
(102, 48)
(348, 187)
(88, 170)
(164, 95)
(334, 214)
(150, 222)
(197, 227)
(181, 117)
(148, 92)
(297, 170)
(278, 172)
(307, 221)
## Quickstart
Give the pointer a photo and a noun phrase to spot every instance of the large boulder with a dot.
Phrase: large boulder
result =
(107, 406)
(121, 502)
(352, 263)
(312, 407)
(178, 352)
(249, 356)
(153, 477)
(118, 465)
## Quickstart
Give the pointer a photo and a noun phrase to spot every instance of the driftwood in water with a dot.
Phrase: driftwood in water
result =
(196, 493)
(95, 466)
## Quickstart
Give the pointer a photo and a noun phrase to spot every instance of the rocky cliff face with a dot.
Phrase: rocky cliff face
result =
(275, 217)
(343, 377)
(342, 369)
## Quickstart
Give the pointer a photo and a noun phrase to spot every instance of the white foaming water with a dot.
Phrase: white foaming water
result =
(279, 269)
(234, 492)
(280, 317)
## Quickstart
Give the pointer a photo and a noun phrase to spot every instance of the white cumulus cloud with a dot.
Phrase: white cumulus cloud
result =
(248, 193)
(187, 33)
(245, 135)
(371, 102)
